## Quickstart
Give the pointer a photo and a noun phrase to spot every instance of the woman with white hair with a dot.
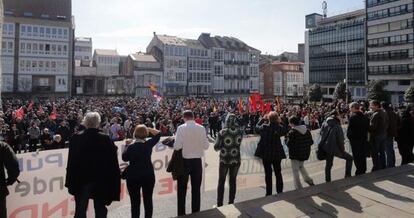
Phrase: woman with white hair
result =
(93, 170)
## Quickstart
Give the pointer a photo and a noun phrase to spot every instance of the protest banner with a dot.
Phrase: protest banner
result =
(41, 192)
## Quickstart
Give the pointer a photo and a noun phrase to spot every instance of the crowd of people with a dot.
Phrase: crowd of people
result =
(45, 125)
(91, 126)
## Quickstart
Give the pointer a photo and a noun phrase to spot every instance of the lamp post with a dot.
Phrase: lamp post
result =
(346, 69)
(346, 64)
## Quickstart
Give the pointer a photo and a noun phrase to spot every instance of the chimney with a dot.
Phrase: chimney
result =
(205, 34)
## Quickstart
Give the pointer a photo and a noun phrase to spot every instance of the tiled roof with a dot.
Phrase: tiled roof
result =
(228, 43)
(192, 43)
(171, 40)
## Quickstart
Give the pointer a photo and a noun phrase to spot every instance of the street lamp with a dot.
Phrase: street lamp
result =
(346, 65)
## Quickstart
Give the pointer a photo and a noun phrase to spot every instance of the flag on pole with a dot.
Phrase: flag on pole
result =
(40, 110)
(30, 107)
(253, 104)
(278, 104)
(154, 91)
(53, 115)
(19, 113)
(241, 105)
(268, 107)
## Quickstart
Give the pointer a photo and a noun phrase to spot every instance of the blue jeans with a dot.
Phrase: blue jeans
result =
(389, 151)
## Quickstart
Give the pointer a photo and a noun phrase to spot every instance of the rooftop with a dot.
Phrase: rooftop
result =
(106, 52)
(344, 16)
(42, 9)
(171, 40)
(192, 43)
(141, 57)
(226, 42)
(83, 39)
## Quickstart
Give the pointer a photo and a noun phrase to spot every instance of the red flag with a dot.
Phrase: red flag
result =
(253, 103)
(53, 115)
(19, 113)
(30, 107)
(278, 105)
(268, 107)
(262, 106)
(241, 105)
(40, 110)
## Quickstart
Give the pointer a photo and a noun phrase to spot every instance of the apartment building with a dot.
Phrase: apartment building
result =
(390, 45)
(335, 47)
(37, 48)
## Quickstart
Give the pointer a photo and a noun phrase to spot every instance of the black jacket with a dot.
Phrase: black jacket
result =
(9, 161)
(405, 131)
(176, 165)
(270, 147)
(93, 159)
(139, 157)
(378, 124)
(299, 144)
(393, 123)
(358, 127)
(333, 136)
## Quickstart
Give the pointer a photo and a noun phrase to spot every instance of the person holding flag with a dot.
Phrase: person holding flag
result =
(154, 91)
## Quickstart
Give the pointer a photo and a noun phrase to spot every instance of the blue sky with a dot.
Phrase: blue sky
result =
(272, 26)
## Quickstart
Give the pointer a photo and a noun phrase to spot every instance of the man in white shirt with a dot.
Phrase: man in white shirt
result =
(192, 139)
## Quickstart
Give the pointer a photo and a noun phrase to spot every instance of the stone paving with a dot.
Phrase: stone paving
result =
(386, 193)
(168, 207)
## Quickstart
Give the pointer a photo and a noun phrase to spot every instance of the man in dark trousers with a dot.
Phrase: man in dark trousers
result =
(9, 162)
(378, 128)
(93, 170)
(392, 131)
(357, 134)
(191, 138)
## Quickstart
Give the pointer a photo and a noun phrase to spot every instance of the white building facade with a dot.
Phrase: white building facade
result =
(207, 66)
(236, 65)
(36, 50)
(107, 62)
(83, 49)
(146, 71)
(171, 51)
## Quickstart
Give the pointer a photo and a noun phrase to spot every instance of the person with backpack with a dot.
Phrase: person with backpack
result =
(9, 162)
(299, 141)
(333, 144)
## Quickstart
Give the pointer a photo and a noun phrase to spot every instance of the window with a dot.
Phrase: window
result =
(403, 82)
